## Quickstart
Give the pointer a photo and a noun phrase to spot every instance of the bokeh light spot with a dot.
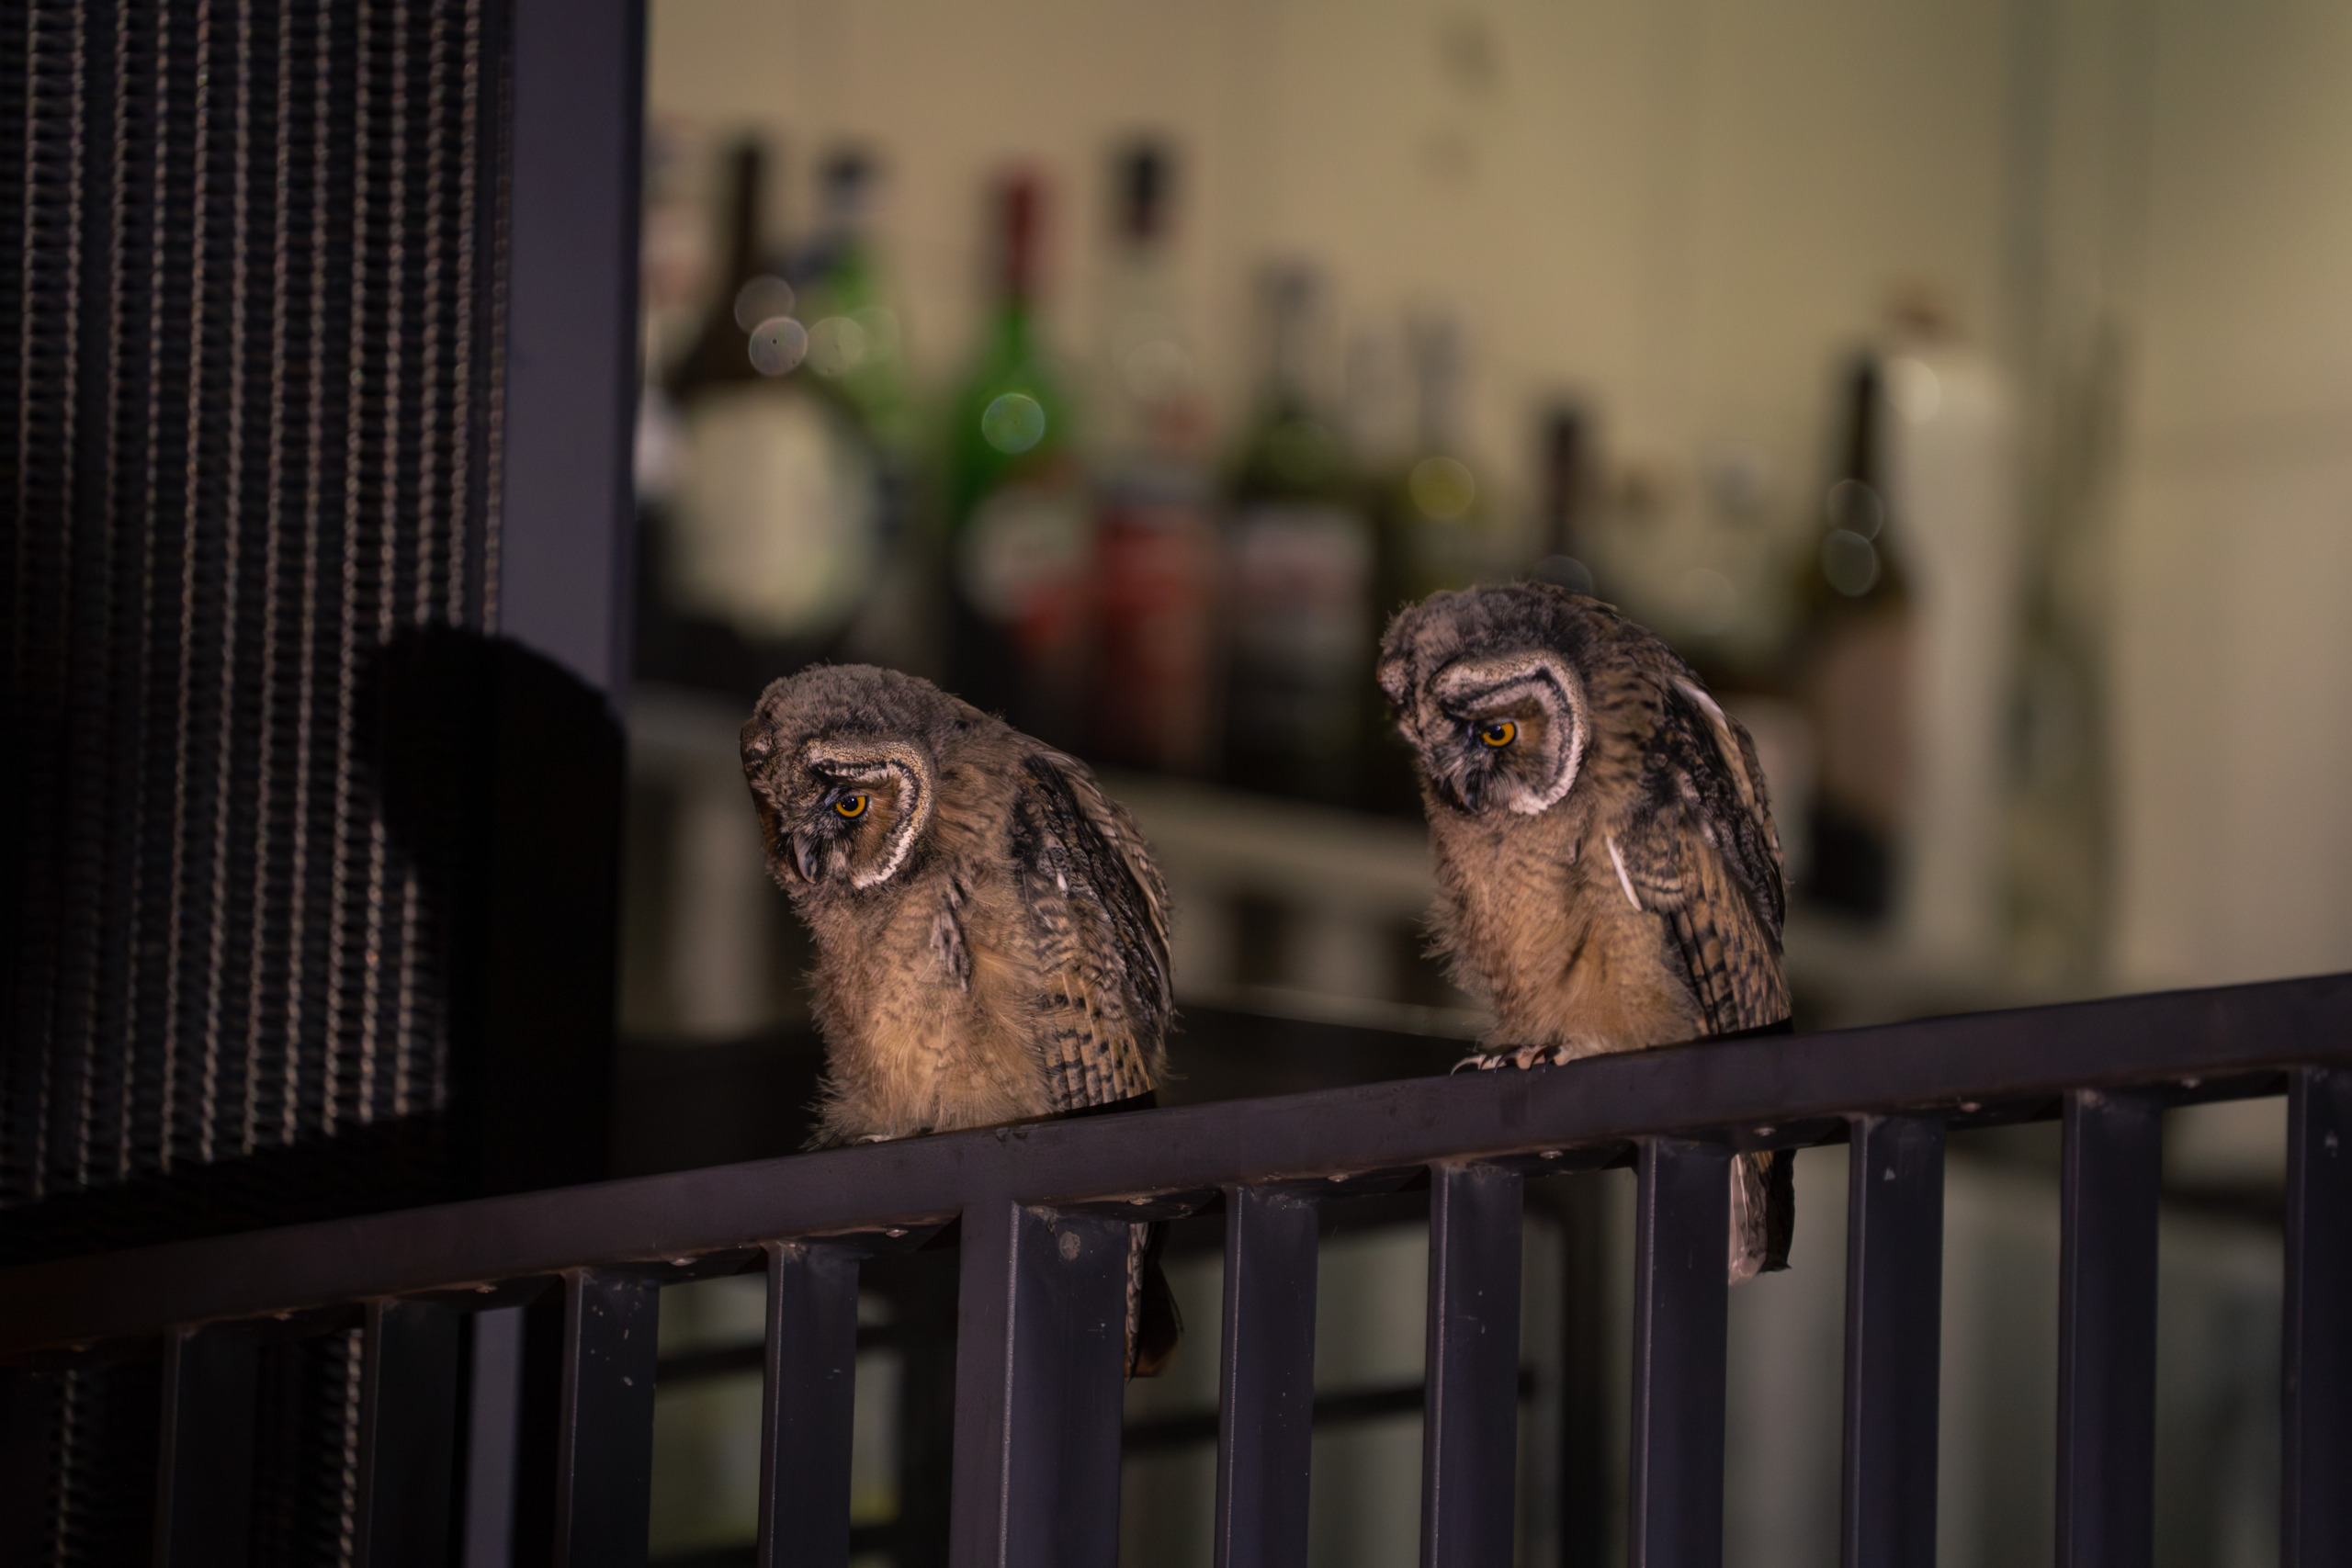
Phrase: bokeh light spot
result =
(1849, 562)
(1013, 422)
(837, 345)
(1855, 507)
(778, 345)
(762, 299)
(1442, 487)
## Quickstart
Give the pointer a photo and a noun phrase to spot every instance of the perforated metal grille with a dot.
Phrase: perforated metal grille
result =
(249, 394)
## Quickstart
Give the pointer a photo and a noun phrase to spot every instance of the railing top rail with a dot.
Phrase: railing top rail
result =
(1786, 1090)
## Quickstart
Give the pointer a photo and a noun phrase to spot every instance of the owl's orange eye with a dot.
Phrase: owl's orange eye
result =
(1500, 733)
(851, 806)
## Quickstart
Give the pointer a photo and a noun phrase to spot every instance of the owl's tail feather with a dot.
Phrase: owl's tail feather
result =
(1154, 1324)
(1763, 1212)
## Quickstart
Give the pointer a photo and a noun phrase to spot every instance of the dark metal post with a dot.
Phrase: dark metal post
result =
(30, 1398)
(408, 1424)
(809, 1406)
(565, 514)
(1588, 1351)
(1040, 1367)
(604, 1446)
(2106, 1330)
(1265, 1379)
(204, 1484)
(2316, 1525)
(493, 1433)
(1470, 1419)
(1681, 1271)
(1895, 1246)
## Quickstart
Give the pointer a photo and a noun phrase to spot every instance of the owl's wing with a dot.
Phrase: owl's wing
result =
(1098, 909)
(1703, 854)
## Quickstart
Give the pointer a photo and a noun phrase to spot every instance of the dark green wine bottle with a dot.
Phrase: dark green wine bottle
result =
(1018, 525)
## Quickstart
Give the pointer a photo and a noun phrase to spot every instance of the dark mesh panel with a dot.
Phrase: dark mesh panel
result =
(249, 406)
(305, 1453)
(248, 394)
(102, 1495)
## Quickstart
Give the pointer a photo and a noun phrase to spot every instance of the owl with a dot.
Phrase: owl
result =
(991, 934)
(1608, 877)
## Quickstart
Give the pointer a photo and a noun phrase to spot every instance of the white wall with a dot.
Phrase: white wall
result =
(2235, 541)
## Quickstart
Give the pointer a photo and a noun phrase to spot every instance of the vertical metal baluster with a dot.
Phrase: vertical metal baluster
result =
(604, 1443)
(1040, 1367)
(1681, 1271)
(808, 1407)
(1265, 1379)
(204, 1482)
(1470, 1415)
(2315, 1523)
(1894, 1255)
(407, 1426)
(30, 1402)
(494, 1435)
(1588, 1357)
(2106, 1331)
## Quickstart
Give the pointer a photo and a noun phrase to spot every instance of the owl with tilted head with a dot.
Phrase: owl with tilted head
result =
(1609, 875)
(991, 934)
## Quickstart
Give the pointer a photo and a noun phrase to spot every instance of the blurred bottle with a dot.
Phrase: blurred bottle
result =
(1566, 485)
(1018, 533)
(773, 529)
(1854, 656)
(1299, 564)
(1155, 539)
(853, 335)
(1432, 526)
(1433, 536)
(857, 357)
(1951, 476)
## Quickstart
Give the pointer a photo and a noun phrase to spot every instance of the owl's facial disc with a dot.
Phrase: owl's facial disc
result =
(857, 810)
(1510, 730)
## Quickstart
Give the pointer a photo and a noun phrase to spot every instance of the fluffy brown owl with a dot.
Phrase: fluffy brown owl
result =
(1608, 875)
(991, 934)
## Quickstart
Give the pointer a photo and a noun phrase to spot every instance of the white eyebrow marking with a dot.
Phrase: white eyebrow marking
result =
(1624, 881)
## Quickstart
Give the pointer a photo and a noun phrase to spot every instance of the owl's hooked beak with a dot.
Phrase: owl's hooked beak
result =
(804, 855)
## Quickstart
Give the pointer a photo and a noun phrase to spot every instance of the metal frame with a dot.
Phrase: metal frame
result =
(1042, 1215)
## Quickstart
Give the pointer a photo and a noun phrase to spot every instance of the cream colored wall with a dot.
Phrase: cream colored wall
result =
(2235, 541)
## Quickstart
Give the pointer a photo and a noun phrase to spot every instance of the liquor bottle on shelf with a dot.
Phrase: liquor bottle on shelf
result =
(1017, 524)
(1299, 563)
(1155, 552)
(857, 359)
(1854, 656)
(1565, 491)
(773, 532)
(854, 334)
(1434, 532)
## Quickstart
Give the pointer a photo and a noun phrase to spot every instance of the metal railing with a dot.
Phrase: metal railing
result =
(1042, 1215)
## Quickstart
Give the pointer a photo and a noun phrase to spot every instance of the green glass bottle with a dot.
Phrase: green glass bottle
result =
(1018, 529)
(1299, 582)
